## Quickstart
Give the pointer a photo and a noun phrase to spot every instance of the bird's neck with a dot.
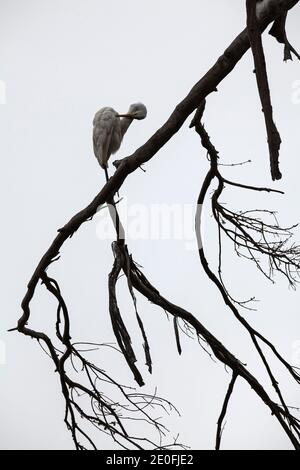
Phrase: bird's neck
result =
(125, 123)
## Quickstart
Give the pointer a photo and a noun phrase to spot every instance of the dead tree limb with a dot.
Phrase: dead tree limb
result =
(138, 281)
(291, 257)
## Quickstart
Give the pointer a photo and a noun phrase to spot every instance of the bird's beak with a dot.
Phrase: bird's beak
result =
(126, 115)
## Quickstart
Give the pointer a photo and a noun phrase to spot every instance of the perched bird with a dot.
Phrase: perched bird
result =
(109, 130)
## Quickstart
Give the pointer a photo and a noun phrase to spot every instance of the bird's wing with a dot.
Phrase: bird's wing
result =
(104, 124)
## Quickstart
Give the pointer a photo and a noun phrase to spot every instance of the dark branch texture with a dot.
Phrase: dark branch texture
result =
(92, 396)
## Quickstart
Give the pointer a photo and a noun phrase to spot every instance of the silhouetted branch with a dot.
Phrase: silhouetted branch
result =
(277, 255)
(140, 283)
(287, 421)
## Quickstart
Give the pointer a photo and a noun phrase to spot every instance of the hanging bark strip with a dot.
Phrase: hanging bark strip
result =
(254, 34)
(224, 410)
(120, 330)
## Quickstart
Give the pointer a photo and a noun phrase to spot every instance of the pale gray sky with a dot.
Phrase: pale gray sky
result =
(61, 61)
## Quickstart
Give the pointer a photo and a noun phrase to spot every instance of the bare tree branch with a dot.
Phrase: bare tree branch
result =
(289, 258)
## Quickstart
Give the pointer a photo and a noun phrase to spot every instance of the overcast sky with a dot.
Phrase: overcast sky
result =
(62, 60)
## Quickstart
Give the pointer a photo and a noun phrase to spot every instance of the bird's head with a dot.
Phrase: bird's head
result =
(136, 111)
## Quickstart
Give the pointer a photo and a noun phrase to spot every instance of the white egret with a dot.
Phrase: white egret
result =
(109, 130)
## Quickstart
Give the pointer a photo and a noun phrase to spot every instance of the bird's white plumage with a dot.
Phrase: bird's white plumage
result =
(107, 135)
(109, 130)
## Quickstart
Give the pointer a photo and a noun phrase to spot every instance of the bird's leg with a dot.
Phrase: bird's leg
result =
(114, 213)
(106, 174)
(107, 178)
